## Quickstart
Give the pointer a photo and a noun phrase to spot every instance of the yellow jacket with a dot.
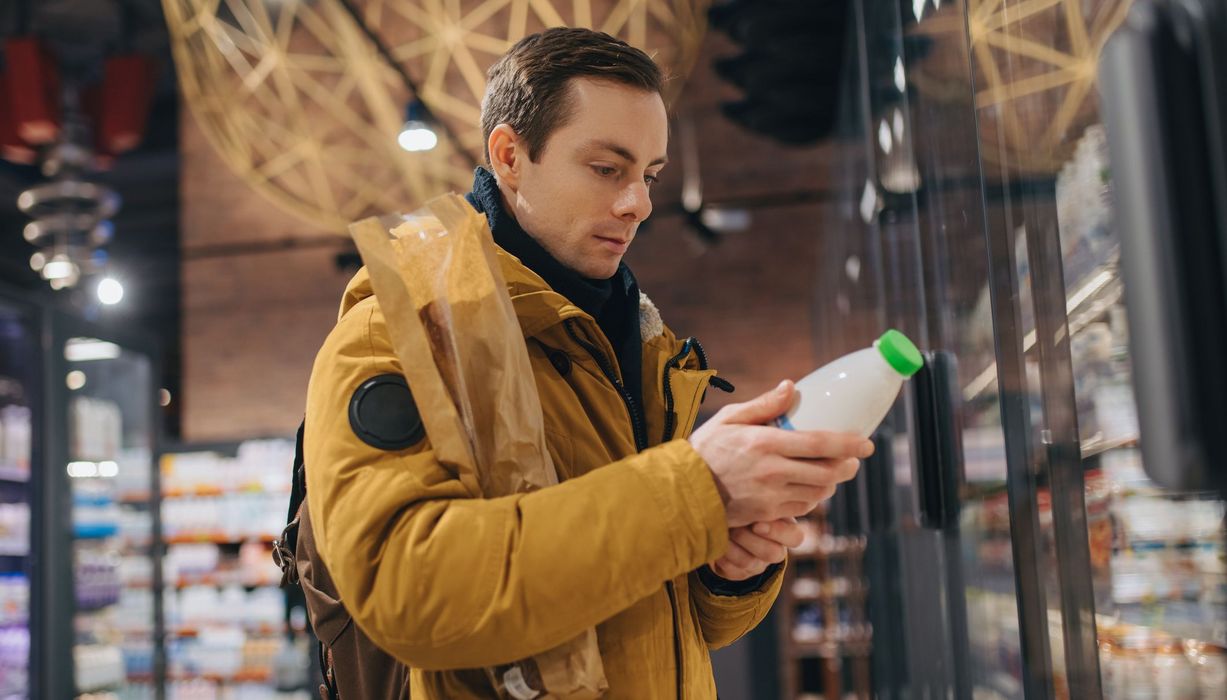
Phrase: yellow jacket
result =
(446, 582)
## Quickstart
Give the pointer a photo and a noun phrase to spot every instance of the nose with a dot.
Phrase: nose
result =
(634, 204)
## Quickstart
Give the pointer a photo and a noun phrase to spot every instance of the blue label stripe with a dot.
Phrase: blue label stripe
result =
(783, 422)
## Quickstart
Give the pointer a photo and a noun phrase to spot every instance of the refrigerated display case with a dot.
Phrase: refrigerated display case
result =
(19, 407)
(78, 427)
(1024, 536)
(101, 632)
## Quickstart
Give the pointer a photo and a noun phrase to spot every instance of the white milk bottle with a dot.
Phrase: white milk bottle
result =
(854, 393)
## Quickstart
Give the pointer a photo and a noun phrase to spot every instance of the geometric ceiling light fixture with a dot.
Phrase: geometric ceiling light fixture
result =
(306, 104)
(1034, 67)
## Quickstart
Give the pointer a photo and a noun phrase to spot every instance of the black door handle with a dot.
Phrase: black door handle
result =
(936, 434)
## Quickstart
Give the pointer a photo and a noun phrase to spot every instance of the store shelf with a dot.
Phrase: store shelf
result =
(207, 490)
(252, 629)
(262, 676)
(13, 473)
(1094, 448)
(830, 592)
(217, 538)
(831, 643)
(210, 580)
(249, 676)
(829, 546)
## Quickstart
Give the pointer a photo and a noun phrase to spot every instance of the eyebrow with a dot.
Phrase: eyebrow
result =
(623, 151)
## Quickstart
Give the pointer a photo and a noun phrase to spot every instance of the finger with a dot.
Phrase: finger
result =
(797, 509)
(738, 555)
(763, 549)
(809, 472)
(845, 469)
(815, 444)
(763, 408)
(807, 493)
(784, 531)
(736, 572)
(725, 570)
(766, 527)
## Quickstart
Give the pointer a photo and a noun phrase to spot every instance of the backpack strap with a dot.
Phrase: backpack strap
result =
(285, 546)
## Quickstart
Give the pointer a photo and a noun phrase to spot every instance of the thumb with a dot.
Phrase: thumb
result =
(763, 408)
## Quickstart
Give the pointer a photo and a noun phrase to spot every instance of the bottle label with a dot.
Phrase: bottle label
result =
(517, 687)
(783, 422)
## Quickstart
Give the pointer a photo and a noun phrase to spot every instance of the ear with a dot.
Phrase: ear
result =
(507, 155)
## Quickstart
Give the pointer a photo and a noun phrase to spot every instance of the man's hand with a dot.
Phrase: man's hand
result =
(766, 473)
(755, 547)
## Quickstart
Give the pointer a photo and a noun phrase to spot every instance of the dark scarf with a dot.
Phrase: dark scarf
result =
(613, 302)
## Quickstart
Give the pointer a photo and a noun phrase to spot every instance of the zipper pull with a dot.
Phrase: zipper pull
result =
(722, 384)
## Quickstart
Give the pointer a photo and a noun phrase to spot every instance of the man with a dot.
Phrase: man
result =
(670, 543)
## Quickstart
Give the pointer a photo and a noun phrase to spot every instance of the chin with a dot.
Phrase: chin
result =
(602, 271)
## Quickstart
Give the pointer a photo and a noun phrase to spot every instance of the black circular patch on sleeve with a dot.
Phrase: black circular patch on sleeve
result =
(383, 414)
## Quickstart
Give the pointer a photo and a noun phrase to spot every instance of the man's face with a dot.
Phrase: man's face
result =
(584, 198)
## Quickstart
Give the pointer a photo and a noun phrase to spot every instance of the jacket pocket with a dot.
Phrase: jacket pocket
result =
(686, 387)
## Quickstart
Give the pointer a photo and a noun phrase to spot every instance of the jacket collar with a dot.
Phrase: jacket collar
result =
(536, 305)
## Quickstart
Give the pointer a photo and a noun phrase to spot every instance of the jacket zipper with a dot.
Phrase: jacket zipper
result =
(677, 639)
(637, 426)
(675, 362)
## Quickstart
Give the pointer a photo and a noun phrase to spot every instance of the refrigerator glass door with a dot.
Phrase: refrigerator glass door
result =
(1132, 575)
(109, 461)
(19, 405)
(955, 553)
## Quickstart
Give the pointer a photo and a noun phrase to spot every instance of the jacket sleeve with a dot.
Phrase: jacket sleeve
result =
(725, 619)
(443, 580)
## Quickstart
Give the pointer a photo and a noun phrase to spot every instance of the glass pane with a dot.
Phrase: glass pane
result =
(911, 252)
(1147, 563)
(965, 291)
(110, 471)
(19, 384)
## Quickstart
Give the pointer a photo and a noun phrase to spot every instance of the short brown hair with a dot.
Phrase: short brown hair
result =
(529, 87)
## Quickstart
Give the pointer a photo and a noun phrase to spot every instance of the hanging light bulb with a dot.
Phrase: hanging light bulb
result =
(417, 135)
(110, 291)
(60, 268)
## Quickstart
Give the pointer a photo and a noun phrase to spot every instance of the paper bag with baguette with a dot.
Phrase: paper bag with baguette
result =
(452, 324)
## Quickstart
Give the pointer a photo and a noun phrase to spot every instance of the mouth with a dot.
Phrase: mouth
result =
(614, 245)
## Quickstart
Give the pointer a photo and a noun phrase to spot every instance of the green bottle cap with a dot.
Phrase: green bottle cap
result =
(900, 353)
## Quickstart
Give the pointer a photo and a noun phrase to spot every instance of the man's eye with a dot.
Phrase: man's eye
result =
(604, 170)
(651, 179)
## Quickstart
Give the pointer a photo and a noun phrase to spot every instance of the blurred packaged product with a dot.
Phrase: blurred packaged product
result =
(15, 529)
(97, 580)
(15, 440)
(1174, 674)
(14, 599)
(95, 429)
(14, 658)
(98, 667)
